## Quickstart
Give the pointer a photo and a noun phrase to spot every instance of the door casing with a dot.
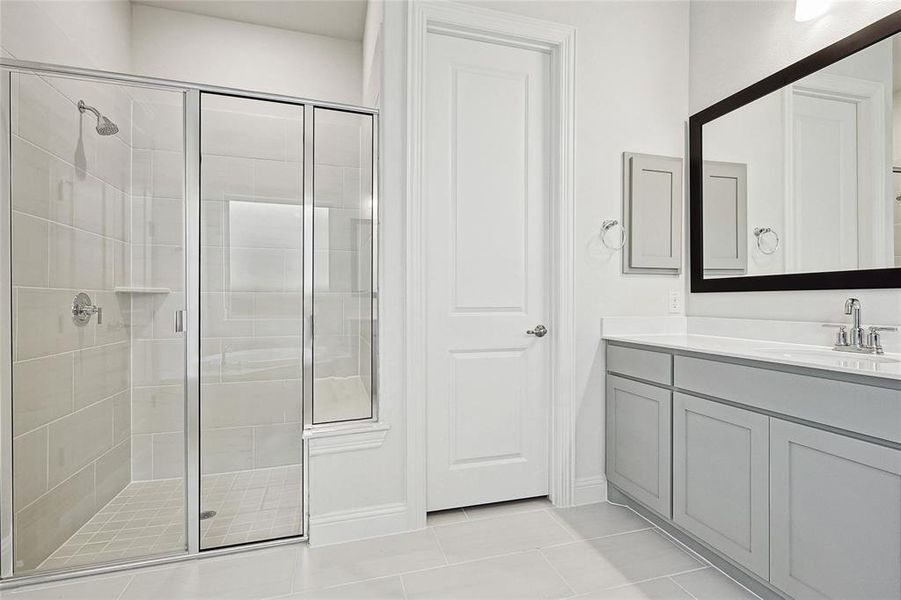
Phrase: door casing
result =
(559, 42)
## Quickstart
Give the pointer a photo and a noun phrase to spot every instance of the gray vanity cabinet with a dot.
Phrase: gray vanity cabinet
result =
(721, 478)
(638, 435)
(835, 515)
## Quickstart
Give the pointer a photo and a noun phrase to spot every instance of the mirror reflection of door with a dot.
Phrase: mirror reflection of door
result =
(822, 205)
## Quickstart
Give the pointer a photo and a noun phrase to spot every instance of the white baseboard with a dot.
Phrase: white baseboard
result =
(349, 525)
(590, 490)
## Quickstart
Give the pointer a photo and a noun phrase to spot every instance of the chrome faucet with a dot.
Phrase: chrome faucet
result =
(863, 342)
(852, 307)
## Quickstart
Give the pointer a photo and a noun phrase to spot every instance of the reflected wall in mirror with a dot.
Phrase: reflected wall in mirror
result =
(805, 178)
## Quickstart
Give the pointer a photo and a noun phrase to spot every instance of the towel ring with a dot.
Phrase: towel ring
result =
(606, 226)
(759, 232)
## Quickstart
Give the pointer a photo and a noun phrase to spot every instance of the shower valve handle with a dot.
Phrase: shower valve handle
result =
(83, 309)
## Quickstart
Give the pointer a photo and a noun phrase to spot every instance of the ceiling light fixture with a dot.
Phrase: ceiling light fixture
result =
(807, 10)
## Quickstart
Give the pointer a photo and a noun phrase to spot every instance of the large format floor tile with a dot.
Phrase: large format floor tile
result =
(712, 584)
(618, 560)
(245, 576)
(385, 588)
(599, 520)
(526, 550)
(655, 589)
(92, 588)
(523, 575)
(366, 559)
(490, 537)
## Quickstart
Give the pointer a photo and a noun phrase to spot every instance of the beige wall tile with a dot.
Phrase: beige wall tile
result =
(44, 525)
(30, 247)
(277, 304)
(113, 473)
(328, 183)
(42, 391)
(101, 372)
(225, 450)
(254, 403)
(158, 220)
(276, 179)
(168, 455)
(168, 174)
(158, 362)
(80, 260)
(77, 439)
(122, 417)
(116, 326)
(158, 266)
(218, 320)
(276, 445)
(225, 175)
(158, 409)
(31, 169)
(29, 467)
(51, 121)
(142, 457)
(261, 359)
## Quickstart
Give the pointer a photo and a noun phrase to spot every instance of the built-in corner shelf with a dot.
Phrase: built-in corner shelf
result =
(141, 290)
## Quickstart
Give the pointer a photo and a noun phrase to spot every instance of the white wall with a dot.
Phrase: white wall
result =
(196, 48)
(88, 34)
(734, 44)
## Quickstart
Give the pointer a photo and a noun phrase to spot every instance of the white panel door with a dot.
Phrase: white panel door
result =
(824, 212)
(485, 209)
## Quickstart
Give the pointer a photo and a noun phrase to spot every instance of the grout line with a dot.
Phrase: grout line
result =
(681, 587)
(601, 537)
(557, 572)
(438, 543)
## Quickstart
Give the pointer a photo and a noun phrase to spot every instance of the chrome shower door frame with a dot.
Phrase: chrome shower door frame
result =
(191, 94)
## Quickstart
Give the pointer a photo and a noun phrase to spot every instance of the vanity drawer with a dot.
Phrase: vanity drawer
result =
(872, 411)
(641, 364)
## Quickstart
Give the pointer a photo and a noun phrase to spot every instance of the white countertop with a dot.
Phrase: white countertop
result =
(887, 366)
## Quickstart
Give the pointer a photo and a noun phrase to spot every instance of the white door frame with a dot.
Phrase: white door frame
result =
(558, 41)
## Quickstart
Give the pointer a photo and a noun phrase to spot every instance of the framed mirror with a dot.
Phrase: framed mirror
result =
(795, 181)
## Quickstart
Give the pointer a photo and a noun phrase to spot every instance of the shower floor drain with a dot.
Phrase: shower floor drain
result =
(207, 514)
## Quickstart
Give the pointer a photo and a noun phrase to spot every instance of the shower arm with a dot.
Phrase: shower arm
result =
(83, 107)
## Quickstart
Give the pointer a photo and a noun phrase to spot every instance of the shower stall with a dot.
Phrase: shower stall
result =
(166, 250)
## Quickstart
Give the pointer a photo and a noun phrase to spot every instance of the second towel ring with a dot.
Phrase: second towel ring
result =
(606, 226)
(759, 232)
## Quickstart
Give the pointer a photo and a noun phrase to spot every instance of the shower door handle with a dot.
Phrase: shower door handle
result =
(179, 321)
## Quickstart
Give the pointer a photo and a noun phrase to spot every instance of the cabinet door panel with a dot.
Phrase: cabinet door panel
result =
(720, 478)
(638, 441)
(835, 515)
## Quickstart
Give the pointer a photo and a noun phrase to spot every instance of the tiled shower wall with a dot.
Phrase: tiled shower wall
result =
(157, 278)
(251, 285)
(71, 401)
(342, 267)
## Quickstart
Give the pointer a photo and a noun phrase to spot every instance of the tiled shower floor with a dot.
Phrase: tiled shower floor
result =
(147, 517)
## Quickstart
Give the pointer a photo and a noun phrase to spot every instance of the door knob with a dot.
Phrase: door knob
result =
(539, 331)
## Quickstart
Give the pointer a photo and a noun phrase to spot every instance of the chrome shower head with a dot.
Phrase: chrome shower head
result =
(104, 125)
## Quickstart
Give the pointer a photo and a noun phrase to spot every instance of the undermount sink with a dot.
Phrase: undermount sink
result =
(828, 355)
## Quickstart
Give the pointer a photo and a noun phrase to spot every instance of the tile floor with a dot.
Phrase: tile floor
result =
(147, 517)
(515, 550)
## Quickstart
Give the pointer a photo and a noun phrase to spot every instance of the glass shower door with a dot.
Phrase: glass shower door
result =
(97, 273)
(252, 310)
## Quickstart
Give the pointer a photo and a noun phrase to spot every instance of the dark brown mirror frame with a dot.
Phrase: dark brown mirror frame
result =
(861, 279)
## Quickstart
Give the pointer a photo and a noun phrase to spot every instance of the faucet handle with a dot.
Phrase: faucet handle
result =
(874, 339)
(841, 338)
